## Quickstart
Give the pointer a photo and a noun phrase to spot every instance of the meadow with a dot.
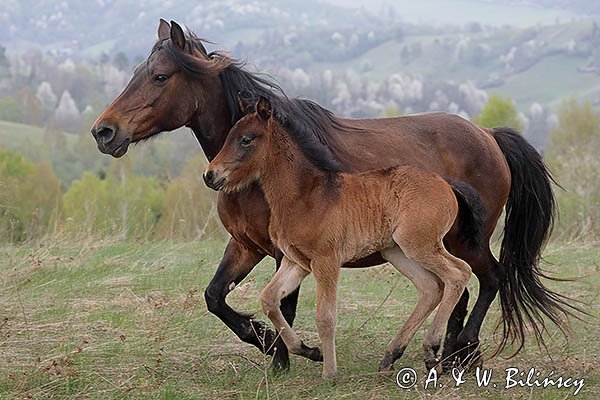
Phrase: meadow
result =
(126, 319)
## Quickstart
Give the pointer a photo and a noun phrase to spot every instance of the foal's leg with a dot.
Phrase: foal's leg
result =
(455, 274)
(281, 359)
(430, 290)
(287, 279)
(326, 276)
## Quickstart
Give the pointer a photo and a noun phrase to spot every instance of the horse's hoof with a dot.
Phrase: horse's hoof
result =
(280, 363)
(475, 361)
(312, 353)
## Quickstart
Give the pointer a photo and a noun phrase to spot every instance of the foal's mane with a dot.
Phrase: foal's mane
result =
(309, 124)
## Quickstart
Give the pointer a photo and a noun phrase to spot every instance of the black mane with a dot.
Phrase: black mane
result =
(308, 123)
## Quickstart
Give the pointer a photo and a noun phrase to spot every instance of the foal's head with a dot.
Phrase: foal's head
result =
(245, 153)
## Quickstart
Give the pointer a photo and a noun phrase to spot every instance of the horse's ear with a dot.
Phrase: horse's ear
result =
(177, 35)
(164, 30)
(245, 101)
(263, 109)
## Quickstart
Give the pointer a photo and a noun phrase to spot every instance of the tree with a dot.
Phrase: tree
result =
(30, 197)
(10, 110)
(573, 158)
(121, 61)
(4, 63)
(67, 114)
(499, 111)
(46, 95)
(32, 106)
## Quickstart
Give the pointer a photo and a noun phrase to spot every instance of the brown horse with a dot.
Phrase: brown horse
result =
(322, 218)
(180, 84)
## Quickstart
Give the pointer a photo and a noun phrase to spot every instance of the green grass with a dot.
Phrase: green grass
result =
(125, 320)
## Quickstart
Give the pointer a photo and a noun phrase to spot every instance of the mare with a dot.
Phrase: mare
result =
(181, 84)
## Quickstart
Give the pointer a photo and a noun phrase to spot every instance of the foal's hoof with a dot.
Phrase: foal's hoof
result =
(312, 353)
(386, 365)
(434, 363)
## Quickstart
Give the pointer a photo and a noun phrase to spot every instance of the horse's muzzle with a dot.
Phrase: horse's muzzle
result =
(106, 137)
(212, 182)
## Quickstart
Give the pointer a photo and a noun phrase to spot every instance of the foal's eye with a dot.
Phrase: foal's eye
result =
(246, 141)
(160, 78)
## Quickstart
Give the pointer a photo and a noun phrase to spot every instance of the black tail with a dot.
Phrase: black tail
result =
(530, 212)
(470, 214)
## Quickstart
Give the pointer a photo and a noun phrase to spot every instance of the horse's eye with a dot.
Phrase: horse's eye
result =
(160, 78)
(246, 141)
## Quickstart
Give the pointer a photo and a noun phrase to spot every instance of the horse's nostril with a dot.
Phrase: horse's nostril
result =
(106, 134)
(103, 132)
(208, 177)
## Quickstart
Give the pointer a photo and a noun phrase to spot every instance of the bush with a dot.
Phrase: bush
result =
(190, 208)
(122, 203)
(30, 197)
(10, 110)
(573, 158)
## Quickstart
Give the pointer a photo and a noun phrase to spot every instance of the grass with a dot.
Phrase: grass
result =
(107, 319)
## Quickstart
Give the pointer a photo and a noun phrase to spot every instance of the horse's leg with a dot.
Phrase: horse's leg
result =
(281, 358)
(455, 326)
(286, 280)
(326, 277)
(430, 290)
(455, 274)
(489, 273)
(237, 262)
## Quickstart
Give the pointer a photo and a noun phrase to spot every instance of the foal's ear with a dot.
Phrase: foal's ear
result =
(164, 30)
(177, 35)
(245, 101)
(263, 109)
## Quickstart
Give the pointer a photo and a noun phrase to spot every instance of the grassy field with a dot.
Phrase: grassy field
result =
(123, 320)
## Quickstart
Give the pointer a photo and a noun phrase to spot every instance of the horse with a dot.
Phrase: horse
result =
(181, 84)
(322, 218)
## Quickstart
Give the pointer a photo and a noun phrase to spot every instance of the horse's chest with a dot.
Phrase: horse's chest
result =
(245, 215)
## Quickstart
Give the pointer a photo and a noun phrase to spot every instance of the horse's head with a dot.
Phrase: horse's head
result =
(162, 95)
(245, 152)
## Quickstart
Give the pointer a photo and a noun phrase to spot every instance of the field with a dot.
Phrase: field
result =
(111, 319)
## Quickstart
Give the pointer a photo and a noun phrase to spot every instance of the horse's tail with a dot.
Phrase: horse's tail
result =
(530, 212)
(470, 214)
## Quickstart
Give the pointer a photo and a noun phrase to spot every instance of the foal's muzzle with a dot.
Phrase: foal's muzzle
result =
(212, 181)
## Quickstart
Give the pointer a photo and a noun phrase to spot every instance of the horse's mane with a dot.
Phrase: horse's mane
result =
(309, 124)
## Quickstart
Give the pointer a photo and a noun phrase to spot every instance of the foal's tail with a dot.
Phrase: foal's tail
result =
(470, 214)
(529, 219)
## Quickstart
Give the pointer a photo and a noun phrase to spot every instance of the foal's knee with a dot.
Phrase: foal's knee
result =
(432, 291)
(269, 302)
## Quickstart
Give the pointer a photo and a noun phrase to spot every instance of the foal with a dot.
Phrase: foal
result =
(322, 218)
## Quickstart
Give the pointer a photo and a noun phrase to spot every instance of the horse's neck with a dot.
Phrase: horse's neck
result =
(212, 121)
(289, 177)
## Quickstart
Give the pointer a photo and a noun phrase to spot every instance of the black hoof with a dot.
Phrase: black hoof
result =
(312, 353)
(468, 357)
(281, 361)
